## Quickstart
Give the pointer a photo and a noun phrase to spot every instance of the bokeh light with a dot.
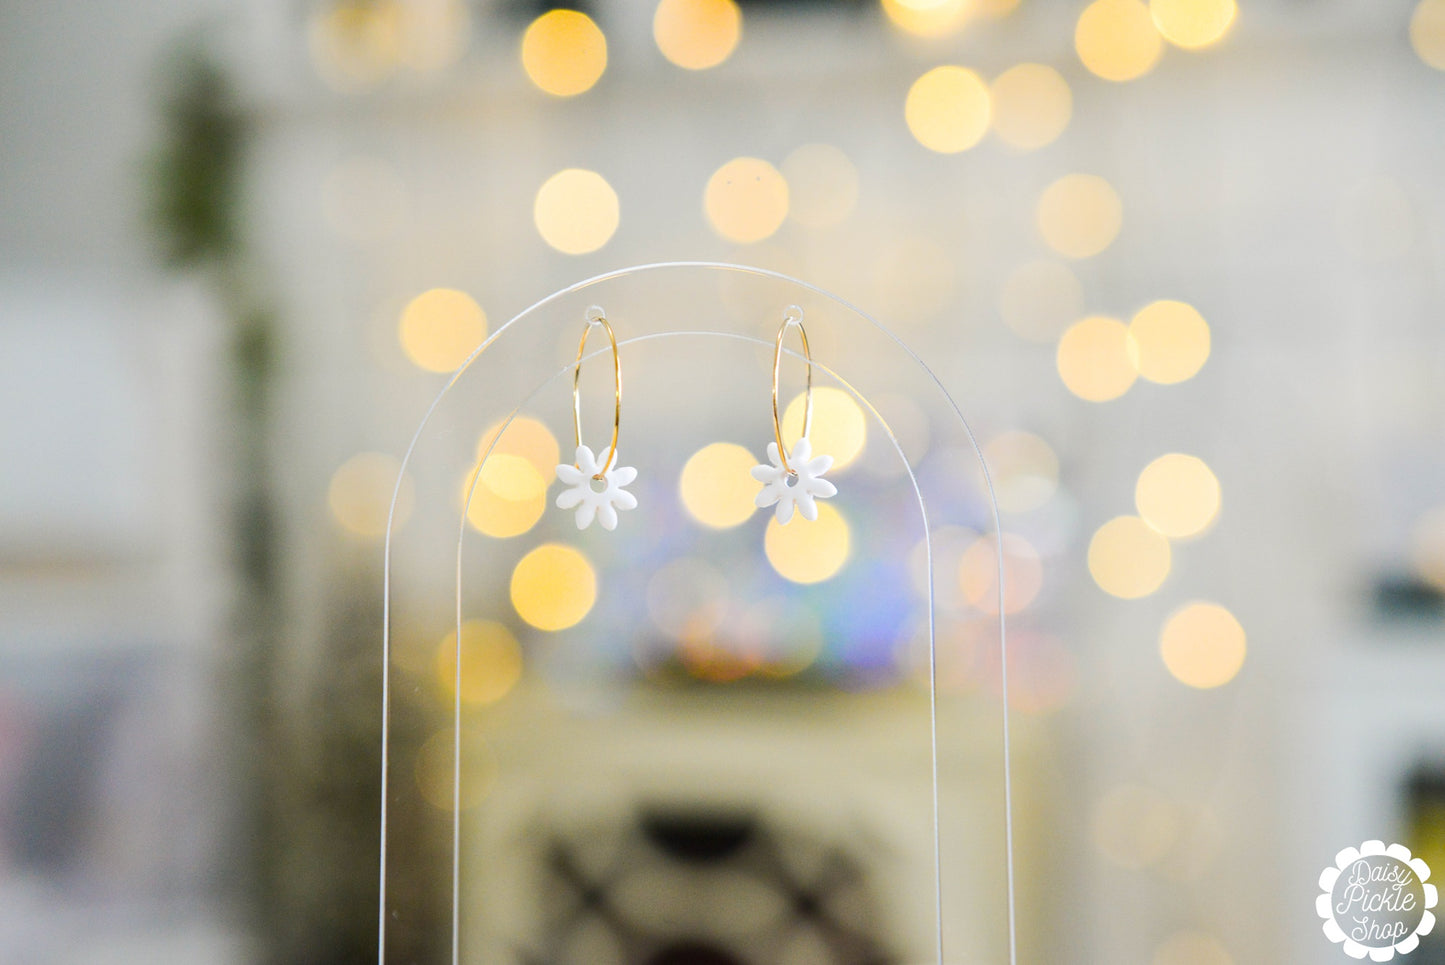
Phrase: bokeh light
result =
(576, 211)
(1191, 948)
(1427, 548)
(511, 494)
(1135, 826)
(360, 494)
(526, 437)
(746, 200)
(554, 587)
(822, 185)
(356, 44)
(1024, 470)
(1427, 32)
(1032, 105)
(1193, 24)
(1040, 299)
(436, 770)
(839, 429)
(1023, 573)
(435, 33)
(929, 18)
(1117, 39)
(1079, 215)
(564, 52)
(1128, 558)
(717, 487)
(1168, 342)
(491, 662)
(508, 499)
(439, 328)
(1178, 495)
(1093, 359)
(697, 34)
(809, 552)
(1203, 645)
(948, 109)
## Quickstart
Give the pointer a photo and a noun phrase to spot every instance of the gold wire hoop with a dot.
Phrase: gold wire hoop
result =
(792, 316)
(595, 316)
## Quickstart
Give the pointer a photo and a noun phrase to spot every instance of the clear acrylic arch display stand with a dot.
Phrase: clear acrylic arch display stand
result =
(884, 749)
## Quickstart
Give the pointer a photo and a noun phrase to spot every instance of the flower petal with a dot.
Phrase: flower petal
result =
(607, 516)
(568, 498)
(802, 452)
(623, 499)
(569, 475)
(622, 475)
(785, 509)
(585, 461)
(773, 456)
(765, 474)
(816, 467)
(768, 495)
(821, 488)
(806, 506)
(585, 512)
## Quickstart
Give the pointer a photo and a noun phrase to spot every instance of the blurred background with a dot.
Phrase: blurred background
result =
(1179, 263)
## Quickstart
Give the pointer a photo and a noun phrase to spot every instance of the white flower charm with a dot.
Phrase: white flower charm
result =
(590, 502)
(798, 489)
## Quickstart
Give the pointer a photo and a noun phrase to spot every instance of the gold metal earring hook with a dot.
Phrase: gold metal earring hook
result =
(792, 317)
(595, 317)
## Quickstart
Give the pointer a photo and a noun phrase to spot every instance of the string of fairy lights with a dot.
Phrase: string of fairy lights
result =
(948, 109)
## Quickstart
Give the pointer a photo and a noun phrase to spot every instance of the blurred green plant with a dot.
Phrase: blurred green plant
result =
(307, 781)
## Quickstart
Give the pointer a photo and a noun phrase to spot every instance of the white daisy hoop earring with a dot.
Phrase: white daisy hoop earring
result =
(595, 490)
(793, 481)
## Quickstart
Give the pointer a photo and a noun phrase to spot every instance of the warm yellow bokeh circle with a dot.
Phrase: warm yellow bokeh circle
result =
(1168, 341)
(717, 487)
(1128, 558)
(809, 552)
(929, 18)
(948, 109)
(1193, 24)
(839, 428)
(491, 662)
(554, 587)
(1427, 32)
(576, 211)
(1178, 495)
(746, 200)
(697, 34)
(439, 328)
(510, 494)
(1079, 215)
(564, 52)
(1117, 39)
(1032, 105)
(1093, 359)
(1203, 645)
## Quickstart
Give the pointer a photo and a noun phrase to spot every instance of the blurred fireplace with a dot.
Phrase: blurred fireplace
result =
(706, 887)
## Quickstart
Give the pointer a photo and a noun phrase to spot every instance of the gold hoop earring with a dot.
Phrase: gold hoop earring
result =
(593, 489)
(794, 480)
